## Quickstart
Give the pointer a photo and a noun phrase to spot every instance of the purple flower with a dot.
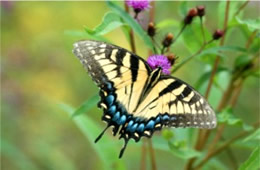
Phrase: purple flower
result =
(162, 61)
(138, 5)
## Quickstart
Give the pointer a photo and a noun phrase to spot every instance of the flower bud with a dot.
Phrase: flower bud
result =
(201, 10)
(151, 29)
(172, 58)
(192, 13)
(167, 40)
(218, 34)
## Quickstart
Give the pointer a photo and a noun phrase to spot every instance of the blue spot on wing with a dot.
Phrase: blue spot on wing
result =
(116, 116)
(122, 120)
(110, 99)
(132, 128)
(129, 124)
(140, 128)
(165, 118)
(150, 125)
(112, 110)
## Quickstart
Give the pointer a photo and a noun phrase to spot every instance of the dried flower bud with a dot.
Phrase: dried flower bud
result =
(192, 13)
(172, 58)
(167, 40)
(151, 29)
(201, 10)
(218, 34)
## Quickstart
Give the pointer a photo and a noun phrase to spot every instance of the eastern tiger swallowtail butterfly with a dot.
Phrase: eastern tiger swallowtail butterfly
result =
(137, 100)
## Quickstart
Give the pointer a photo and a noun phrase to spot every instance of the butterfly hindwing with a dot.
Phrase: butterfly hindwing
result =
(178, 103)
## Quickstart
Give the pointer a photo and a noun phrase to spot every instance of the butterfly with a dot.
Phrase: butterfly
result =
(137, 100)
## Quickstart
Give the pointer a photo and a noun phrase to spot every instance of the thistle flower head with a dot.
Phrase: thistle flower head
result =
(162, 61)
(138, 5)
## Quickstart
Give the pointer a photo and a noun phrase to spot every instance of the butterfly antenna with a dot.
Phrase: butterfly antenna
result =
(123, 149)
(101, 134)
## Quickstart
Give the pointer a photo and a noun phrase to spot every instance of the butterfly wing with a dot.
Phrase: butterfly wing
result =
(178, 104)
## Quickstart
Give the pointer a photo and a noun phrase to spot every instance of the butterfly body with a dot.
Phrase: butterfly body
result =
(137, 100)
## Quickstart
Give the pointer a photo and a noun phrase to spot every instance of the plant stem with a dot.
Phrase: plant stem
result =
(232, 158)
(214, 70)
(190, 57)
(237, 91)
(143, 156)
(251, 39)
(226, 145)
(202, 30)
(152, 155)
(131, 34)
(177, 36)
(152, 11)
(241, 7)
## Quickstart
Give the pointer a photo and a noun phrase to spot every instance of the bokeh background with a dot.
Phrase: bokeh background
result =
(39, 72)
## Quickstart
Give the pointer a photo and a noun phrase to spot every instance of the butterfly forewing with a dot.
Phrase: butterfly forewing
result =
(107, 63)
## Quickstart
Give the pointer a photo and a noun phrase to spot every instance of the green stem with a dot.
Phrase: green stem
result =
(187, 59)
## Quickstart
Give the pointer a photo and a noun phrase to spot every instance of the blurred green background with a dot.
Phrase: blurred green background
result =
(39, 71)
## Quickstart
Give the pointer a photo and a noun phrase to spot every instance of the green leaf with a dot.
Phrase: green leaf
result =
(226, 116)
(252, 163)
(192, 37)
(252, 24)
(242, 60)
(75, 33)
(167, 23)
(205, 76)
(105, 148)
(167, 134)
(256, 73)
(132, 23)
(253, 136)
(180, 150)
(219, 50)
(86, 106)
(109, 22)
(183, 9)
